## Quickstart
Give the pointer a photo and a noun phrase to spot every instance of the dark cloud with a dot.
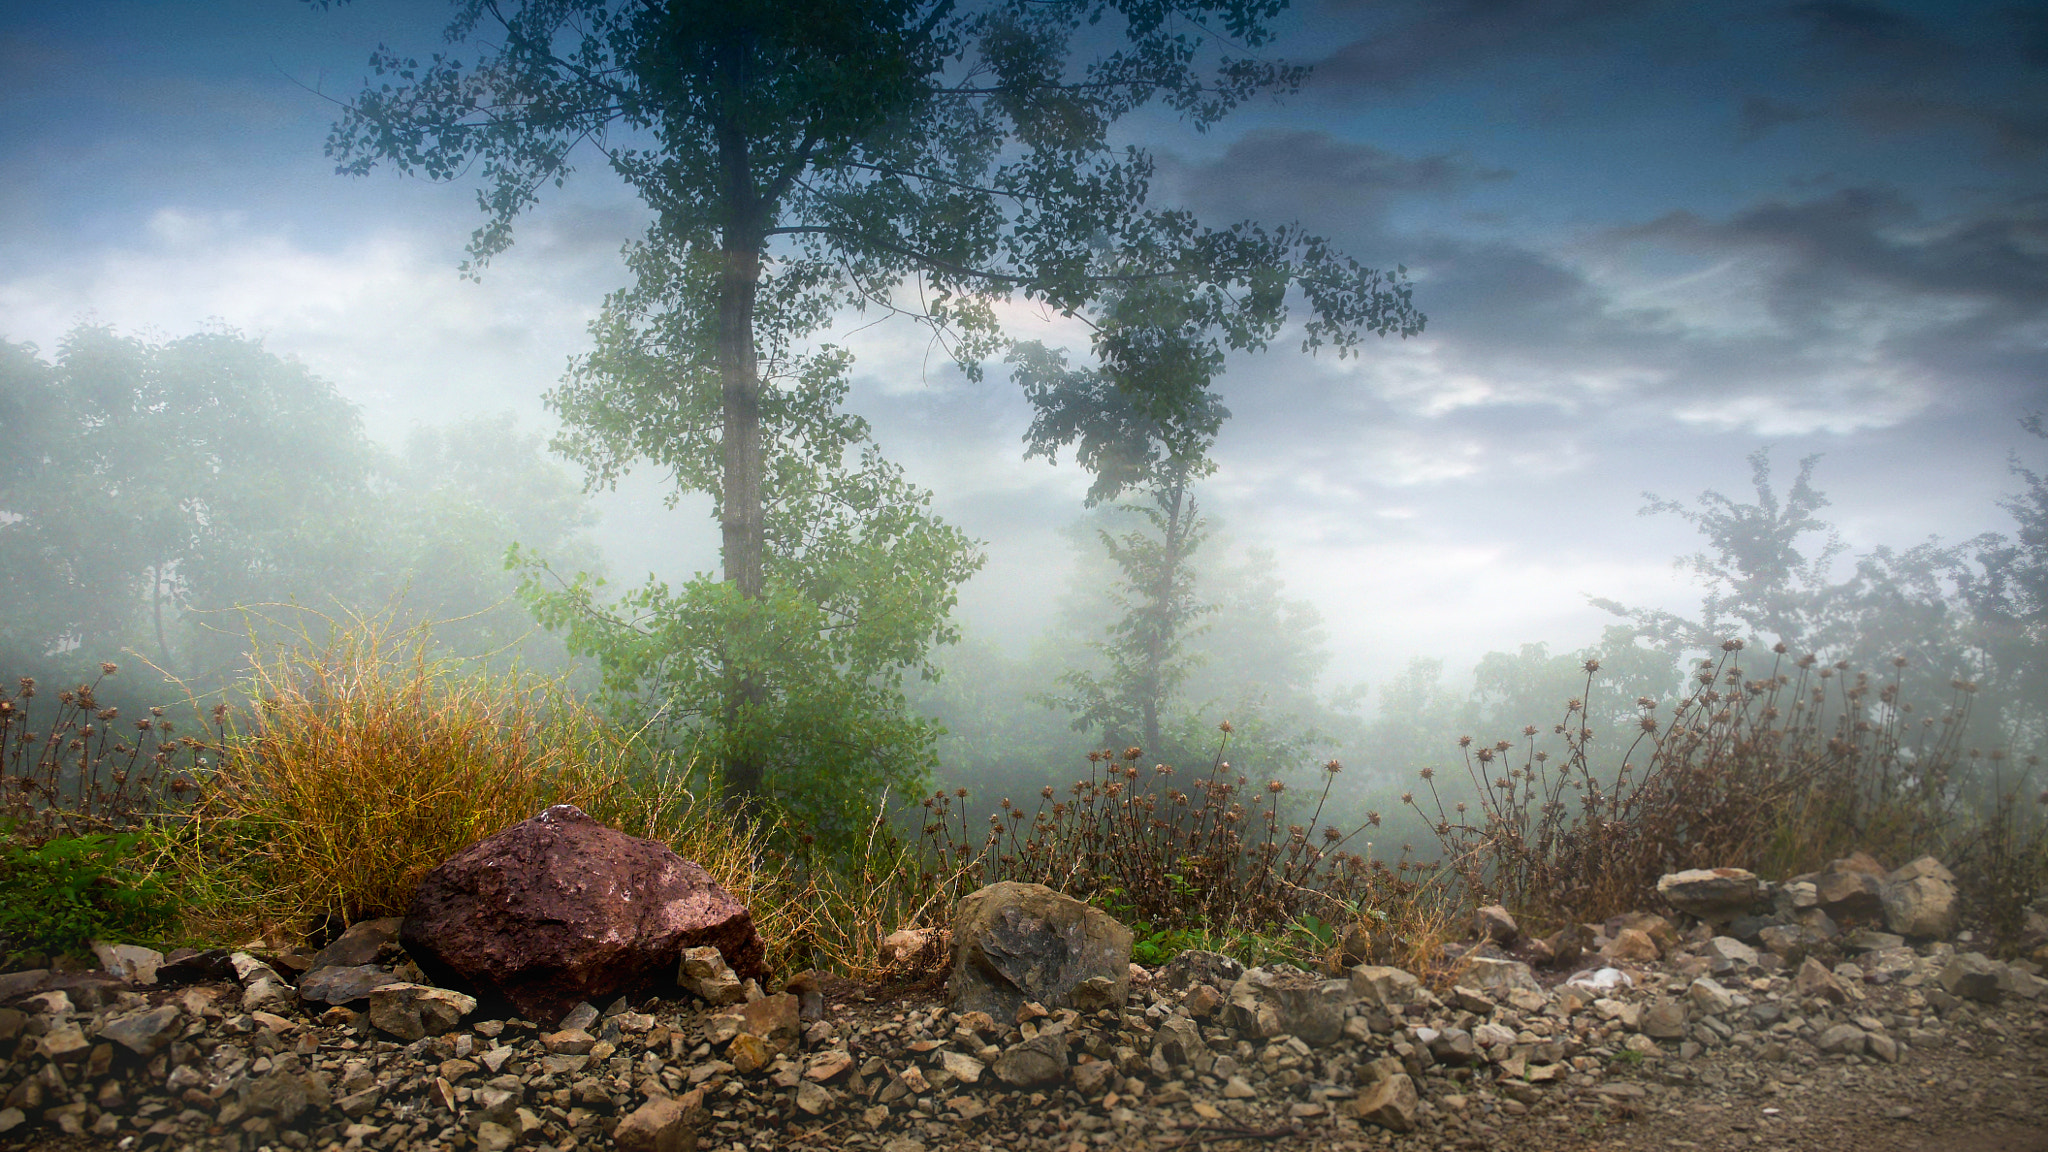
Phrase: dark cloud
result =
(1875, 237)
(1423, 40)
(1339, 187)
(1869, 30)
(1759, 114)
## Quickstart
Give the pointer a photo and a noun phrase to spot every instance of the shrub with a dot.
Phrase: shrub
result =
(365, 762)
(59, 896)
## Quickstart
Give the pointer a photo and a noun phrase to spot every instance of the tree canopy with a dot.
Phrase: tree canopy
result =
(917, 156)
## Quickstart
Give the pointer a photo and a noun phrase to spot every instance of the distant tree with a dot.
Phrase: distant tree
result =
(2008, 593)
(149, 488)
(1759, 577)
(802, 157)
(1121, 427)
(177, 499)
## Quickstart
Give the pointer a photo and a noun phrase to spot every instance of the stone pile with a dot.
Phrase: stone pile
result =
(252, 1050)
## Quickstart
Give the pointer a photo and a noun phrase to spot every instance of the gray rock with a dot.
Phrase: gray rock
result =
(1973, 976)
(143, 1033)
(1025, 943)
(1391, 1104)
(1039, 1060)
(368, 942)
(413, 1011)
(344, 985)
(1716, 895)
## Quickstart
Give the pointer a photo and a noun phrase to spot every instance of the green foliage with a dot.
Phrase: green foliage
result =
(860, 580)
(59, 896)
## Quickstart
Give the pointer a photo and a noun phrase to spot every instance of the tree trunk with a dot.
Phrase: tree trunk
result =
(741, 521)
(1165, 616)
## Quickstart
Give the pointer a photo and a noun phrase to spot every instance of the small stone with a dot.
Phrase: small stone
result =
(813, 1099)
(1040, 1060)
(344, 985)
(1845, 1039)
(494, 1137)
(284, 1094)
(1729, 955)
(962, 1067)
(1391, 1104)
(10, 1119)
(1495, 924)
(1236, 1088)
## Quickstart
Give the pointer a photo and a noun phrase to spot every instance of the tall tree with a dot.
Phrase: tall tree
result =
(820, 154)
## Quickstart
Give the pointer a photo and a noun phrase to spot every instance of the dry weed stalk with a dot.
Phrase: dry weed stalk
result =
(1779, 772)
(87, 770)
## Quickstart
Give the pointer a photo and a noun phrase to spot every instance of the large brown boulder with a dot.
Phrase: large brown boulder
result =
(560, 908)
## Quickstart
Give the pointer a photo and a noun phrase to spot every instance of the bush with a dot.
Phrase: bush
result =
(364, 763)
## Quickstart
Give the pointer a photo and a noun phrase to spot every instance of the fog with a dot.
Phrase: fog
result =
(1650, 239)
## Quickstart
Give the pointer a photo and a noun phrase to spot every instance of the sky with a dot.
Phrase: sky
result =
(1650, 237)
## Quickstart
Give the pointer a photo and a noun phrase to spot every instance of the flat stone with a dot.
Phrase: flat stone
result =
(1495, 924)
(1039, 1060)
(813, 1099)
(962, 1067)
(1842, 1039)
(1716, 895)
(285, 1094)
(331, 985)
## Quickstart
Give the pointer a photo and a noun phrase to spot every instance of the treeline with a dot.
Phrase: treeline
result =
(167, 504)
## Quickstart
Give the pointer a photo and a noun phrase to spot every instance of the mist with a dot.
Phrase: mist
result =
(1651, 240)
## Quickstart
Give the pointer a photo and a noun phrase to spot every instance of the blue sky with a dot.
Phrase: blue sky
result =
(1650, 237)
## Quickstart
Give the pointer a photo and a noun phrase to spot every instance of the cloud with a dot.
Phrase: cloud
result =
(384, 316)
(1760, 114)
(1423, 41)
(1311, 176)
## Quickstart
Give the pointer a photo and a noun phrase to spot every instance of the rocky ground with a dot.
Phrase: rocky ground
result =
(1866, 1044)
